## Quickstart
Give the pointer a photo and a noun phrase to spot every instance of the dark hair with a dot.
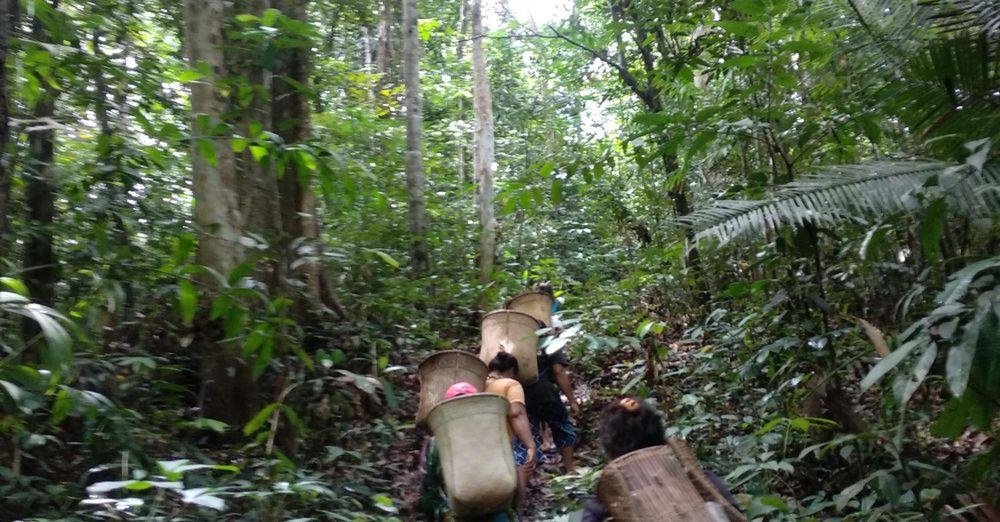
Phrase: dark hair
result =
(502, 362)
(628, 425)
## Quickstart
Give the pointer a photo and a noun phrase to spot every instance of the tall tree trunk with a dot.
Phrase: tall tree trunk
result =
(41, 268)
(463, 16)
(483, 155)
(8, 20)
(414, 127)
(226, 379)
(383, 48)
(258, 186)
(299, 221)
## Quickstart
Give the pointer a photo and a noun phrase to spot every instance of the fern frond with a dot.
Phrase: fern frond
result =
(842, 192)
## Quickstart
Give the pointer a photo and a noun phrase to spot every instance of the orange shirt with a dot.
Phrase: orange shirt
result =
(507, 388)
(510, 390)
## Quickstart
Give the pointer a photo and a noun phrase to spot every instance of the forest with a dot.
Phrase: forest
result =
(230, 232)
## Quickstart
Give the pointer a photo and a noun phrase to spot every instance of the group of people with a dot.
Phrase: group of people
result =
(626, 425)
(534, 407)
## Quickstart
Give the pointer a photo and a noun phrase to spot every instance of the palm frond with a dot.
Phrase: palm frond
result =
(839, 193)
(981, 16)
(932, 63)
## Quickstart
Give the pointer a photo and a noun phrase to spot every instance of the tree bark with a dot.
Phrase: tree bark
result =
(483, 155)
(299, 220)
(8, 20)
(258, 186)
(227, 383)
(414, 153)
(463, 16)
(383, 48)
(41, 268)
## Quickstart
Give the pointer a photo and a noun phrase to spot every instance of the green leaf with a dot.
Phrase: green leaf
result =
(959, 363)
(644, 328)
(258, 152)
(545, 170)
(852, 491)
(200, 497)
(557, 191)
(426, 27)
(61, 407)
(383, 256)
(207, 151)
(744, 29)
(203, 423)
(187, 299)
(888, 363)
(750, 7)
(239, 144)
(269, 17)
(958, 283)
(188, 75)
(15, 285)
(258, 420)
(931, 228)
(183, 246)
(920, 371)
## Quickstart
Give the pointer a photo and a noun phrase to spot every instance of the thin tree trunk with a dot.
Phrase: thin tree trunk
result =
(227, 383)
(483, 155)
(463, 15)
(41, 268)
(8, 20)
(383, 48)
(414, 153)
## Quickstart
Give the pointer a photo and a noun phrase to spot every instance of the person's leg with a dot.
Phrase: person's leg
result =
(564, 436)
(569, 462)
(523, 475)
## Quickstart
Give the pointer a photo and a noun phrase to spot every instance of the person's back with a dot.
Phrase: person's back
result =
(501, 381)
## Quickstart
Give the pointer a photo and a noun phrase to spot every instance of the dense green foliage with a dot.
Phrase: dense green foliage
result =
(777, 219)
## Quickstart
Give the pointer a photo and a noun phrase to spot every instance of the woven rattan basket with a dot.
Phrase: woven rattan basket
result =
(662, 483)
(442, 369)
(514, 333)
(535, 304)
(476, 457)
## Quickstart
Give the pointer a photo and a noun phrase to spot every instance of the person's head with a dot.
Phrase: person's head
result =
(545, 287)
(504, 364)
(458, 389)
(628, 425)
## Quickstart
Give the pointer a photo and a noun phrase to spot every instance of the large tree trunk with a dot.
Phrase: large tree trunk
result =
(483, 154)
(40, 266)
(258, 186)
(414, 153)
(227, 383)
(299, 221)
(8, 20)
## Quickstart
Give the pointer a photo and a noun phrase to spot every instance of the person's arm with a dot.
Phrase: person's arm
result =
(518, 417)
(566, 386)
